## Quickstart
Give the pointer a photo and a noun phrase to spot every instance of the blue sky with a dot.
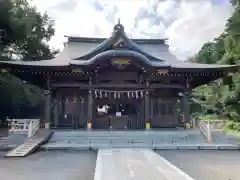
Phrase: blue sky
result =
(188, 24)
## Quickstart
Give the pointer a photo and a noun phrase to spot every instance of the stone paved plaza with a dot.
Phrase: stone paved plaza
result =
(70, 165)
(207, 164)
(75, 163)
(49, 166)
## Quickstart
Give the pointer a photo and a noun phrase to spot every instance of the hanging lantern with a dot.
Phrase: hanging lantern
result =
(136, 94)
(81, 100)
(141, 94)
(128, 94)
(75, 99)
(132, 94)
(96, 95)
(105, 95)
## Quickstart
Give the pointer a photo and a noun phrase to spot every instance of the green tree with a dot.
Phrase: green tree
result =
(25, 33)
(223, 96)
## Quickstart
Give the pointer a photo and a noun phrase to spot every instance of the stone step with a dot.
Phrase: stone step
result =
(126, 137)
(116, 136)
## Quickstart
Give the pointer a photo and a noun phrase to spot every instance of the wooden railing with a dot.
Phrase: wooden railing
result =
(205, 128)
(24, 126)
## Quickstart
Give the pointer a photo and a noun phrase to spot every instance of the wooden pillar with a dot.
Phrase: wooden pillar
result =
(90, 100)
(152, 107)
(48, 101)
(90, 105)
(146, 102)
(186, 107)
(56, 110)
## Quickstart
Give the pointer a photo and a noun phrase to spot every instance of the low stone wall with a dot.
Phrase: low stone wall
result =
(215, 124)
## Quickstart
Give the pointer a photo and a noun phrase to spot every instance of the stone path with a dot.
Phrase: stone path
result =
(135, 164)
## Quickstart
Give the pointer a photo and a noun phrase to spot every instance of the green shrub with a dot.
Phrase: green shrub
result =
(237, 126)
(232, 126)
(209, 117)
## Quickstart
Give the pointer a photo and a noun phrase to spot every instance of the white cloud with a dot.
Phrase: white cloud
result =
(188, 24)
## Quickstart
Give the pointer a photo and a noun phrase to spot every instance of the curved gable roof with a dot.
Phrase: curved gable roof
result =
(79, 50)
(117, 36)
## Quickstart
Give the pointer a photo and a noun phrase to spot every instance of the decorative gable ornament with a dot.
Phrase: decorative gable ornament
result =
(119, 43)
(120, 63)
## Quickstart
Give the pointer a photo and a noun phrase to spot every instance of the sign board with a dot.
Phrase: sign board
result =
(118, 114)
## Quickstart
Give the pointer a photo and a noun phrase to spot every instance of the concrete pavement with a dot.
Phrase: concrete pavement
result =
(135, 164)
(49, 166)
(11, 141)
(206, 165)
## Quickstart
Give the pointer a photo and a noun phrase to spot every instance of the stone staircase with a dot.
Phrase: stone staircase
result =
(125, 139)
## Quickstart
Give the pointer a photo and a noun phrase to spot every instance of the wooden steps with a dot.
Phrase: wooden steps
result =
(31, 144)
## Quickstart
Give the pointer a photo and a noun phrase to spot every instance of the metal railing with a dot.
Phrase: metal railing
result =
(24, 126)
(205, 129)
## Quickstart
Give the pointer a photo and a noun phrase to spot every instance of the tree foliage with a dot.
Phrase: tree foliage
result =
(24, 35)
(223, 96)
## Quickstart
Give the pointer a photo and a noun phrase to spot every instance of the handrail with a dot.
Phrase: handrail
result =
(193, 121)
(33, 127)
(206, 130)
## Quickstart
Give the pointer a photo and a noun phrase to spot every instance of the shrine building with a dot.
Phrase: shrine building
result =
(116, 83)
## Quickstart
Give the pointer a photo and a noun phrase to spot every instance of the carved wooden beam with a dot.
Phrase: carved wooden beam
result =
(107, 85)
(162, 71)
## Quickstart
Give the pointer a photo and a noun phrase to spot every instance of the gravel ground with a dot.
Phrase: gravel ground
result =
(206, 165)
(50, 165)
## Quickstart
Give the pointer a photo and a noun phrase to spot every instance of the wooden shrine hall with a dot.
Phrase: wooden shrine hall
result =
(117, 83)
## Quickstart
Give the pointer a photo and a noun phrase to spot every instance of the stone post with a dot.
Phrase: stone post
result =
(209, 133)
